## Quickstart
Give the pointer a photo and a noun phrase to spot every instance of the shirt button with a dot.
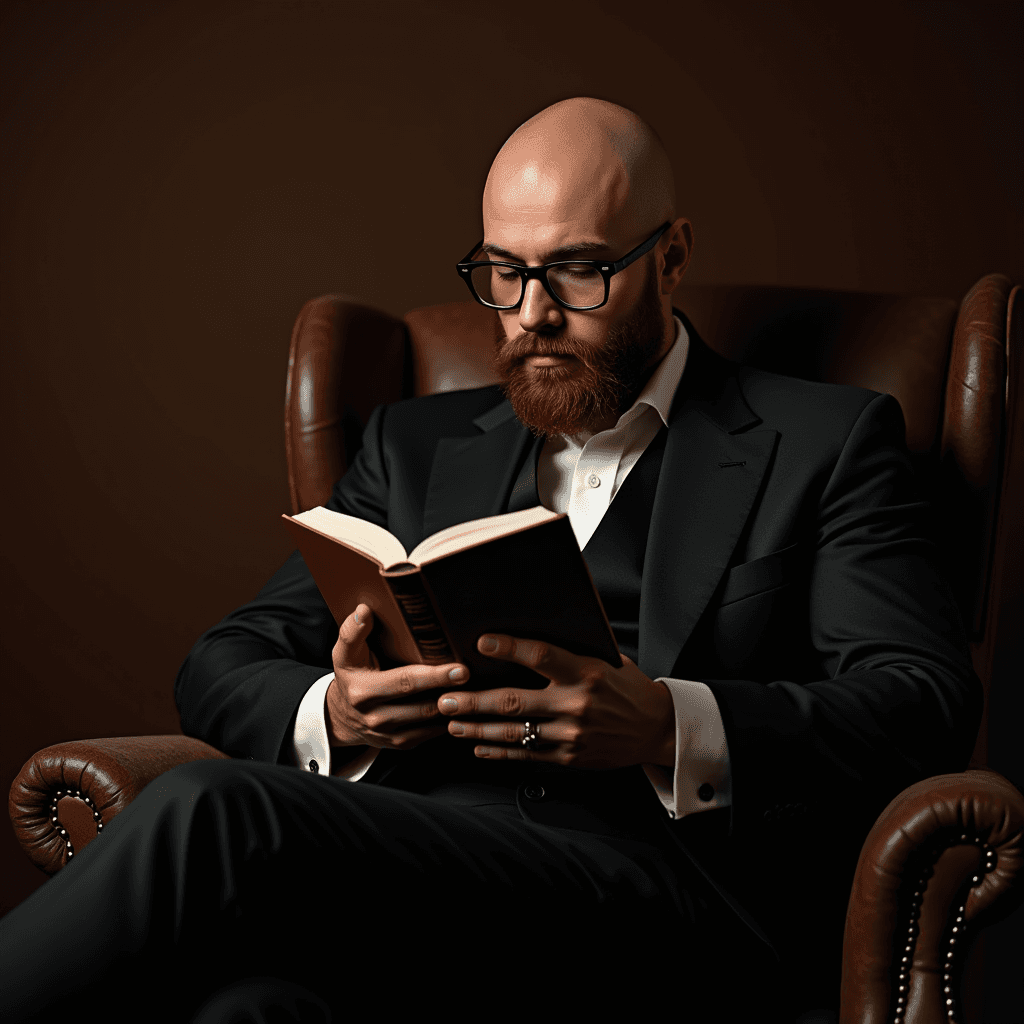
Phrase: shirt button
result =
(594, 480)
(706, 792)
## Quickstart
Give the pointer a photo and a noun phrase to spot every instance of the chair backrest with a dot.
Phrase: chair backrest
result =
(954, 370)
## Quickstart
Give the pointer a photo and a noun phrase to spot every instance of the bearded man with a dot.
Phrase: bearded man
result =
(681, 829)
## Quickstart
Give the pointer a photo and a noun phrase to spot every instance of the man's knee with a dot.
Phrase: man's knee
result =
(194, 785)
(202, 806)
(197, 777)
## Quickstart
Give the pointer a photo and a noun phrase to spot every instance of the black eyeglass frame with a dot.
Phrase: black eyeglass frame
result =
(606, 269)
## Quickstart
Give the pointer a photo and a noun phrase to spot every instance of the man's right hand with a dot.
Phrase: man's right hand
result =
(375, 708)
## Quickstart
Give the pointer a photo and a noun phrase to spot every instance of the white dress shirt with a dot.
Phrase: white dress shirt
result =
(581, 475)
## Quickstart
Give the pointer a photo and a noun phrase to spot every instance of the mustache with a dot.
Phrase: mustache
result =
(525, 344)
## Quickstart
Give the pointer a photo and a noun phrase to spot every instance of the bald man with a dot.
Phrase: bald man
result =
(676, 834)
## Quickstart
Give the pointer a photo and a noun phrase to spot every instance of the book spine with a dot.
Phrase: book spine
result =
(418, 612)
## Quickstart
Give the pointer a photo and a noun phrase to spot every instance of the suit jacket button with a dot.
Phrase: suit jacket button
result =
(534, 791)
(706, 791)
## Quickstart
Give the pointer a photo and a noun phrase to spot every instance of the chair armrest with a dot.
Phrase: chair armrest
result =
(943, 859)
(65, 794)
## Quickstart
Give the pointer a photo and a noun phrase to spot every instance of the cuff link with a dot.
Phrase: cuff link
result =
(314, 767)
(706, 792)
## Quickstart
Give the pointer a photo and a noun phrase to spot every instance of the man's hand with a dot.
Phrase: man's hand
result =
(365, 705)
(591, 715)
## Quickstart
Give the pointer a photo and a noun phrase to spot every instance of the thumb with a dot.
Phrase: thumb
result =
(352, 650)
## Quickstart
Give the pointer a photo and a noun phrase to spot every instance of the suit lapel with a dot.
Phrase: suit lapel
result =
(710, 476)
(472, 477)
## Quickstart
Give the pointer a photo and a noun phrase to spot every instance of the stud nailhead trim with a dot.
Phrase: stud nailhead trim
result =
(957, 932)
(61, 831)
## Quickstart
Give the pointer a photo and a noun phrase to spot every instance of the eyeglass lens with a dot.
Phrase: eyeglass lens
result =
(574, 284)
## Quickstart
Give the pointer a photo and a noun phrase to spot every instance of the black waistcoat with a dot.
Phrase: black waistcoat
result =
(615, 553)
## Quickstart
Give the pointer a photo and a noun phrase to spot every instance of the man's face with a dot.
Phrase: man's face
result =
(558, 195)
(565, 371)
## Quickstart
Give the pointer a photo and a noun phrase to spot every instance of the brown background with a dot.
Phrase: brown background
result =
(180, 177)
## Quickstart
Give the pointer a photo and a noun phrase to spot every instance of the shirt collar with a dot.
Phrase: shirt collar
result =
(660, 389)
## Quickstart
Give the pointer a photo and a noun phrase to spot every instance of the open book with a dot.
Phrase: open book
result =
(521, 574)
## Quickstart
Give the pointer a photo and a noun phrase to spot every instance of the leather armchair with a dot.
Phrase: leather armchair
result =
(944, 858)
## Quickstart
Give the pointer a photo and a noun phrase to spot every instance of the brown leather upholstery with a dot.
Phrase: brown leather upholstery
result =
(943, 860)
(956, 373)
(452, 346)
(65, 794)
(344, 359)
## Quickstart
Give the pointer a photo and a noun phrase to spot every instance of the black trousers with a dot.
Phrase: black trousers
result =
(234, 882)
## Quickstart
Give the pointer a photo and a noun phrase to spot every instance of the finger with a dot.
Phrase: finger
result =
(504, 703)
(546, 659)
(358, 625)
(512, 732)
(351, 650)
(517, 753)
(392, 717)
(405, 684)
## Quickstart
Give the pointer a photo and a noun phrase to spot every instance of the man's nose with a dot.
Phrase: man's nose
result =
(538, 309)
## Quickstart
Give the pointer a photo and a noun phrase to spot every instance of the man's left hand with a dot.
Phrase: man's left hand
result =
(591, 715)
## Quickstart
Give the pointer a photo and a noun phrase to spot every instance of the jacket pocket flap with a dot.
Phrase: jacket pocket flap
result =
(758, 575)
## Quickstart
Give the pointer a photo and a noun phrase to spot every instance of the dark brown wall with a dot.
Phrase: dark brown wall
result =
(179, 178)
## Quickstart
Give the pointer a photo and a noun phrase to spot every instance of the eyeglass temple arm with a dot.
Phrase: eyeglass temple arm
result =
(476, 248)
(641, 250)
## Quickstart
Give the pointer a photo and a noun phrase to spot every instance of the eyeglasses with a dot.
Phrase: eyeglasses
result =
(574, 284)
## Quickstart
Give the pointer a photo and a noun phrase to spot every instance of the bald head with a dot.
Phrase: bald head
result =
(581, 183)
(582, 165)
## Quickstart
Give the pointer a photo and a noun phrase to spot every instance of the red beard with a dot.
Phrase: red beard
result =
(566, 399)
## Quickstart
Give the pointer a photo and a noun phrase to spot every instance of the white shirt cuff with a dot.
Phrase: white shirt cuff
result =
(310, 744)
(702, 766)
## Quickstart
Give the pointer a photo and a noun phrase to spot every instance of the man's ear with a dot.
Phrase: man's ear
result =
(677, 256)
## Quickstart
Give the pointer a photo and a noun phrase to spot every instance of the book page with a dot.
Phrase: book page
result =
(478, 531)
(370, 539)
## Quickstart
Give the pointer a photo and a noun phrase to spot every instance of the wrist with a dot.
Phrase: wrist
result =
(338, 734)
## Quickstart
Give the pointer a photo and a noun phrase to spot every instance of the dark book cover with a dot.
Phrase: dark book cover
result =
(534, 584)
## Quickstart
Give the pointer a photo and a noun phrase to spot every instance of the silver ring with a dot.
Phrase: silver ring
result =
(532, 735)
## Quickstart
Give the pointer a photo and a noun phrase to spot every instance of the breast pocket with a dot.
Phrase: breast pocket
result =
(758, 622)
(759, 575)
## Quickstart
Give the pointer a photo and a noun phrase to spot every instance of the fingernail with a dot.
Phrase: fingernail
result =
(457, 673)
(449, 704)
(488, 643)
(357, 619)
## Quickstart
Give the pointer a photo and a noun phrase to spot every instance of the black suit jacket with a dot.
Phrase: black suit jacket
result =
(788, 566)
